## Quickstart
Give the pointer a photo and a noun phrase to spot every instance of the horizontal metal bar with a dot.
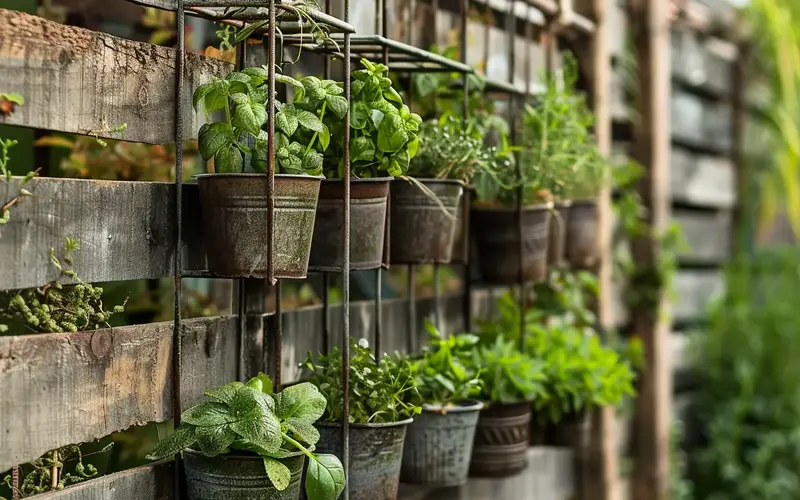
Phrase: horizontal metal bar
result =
(208, 10)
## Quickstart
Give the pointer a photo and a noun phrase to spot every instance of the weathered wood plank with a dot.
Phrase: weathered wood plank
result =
(151, 482)
(694, 292)
(125, 230)
(708, 235)
(702, 180)
(79, 81)
(61, 389)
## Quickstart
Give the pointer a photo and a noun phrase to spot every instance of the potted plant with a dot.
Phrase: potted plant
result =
(246, 438)
(439, 441)
(234, 198)
(510, 382)
(380, 411)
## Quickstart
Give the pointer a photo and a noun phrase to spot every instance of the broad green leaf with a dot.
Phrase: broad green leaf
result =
(181, 439)
(290, 163)
(212, 137)
(325, 479)
(239, 83)
(392, 95)
(260, 159)
(15, 98)
(302, 401)
(332, 88)
(324, 137)
(248, 115)
(360, 116)
(249, 402)
(288, 80)
(425, 84)
(257, 75)
(362, 149)
(296, 148)
(337, 104)
(263, 431)
(304, 431)
(203, 90)
(207, 414)
(228, 159)
(278, 473)
(314, 88)
(312, 163)
(248, 30)
(224, 394)
(391, 134)
(309, 121)
(376, 116)
(413, 146)
(266, 382)
(356, 87)
(285, 122)
(213, 440)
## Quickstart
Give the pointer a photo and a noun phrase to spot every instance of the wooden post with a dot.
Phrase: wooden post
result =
(650, 25)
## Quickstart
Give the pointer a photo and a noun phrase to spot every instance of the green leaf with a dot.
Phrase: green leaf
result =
(309, 121)
(391, 134)
(245, 33)
(324, 137)
(213, 440)
(224, 394)
(303, 430)
(263, 431)
(278, 473)
(413, 146)
(203, 90)
(286, 122)
(325, 478)
(314, 88)
(425, 84)
(258, 76)
(290, 163)
(239, 83)
(15, 98)
(362, 149)
(181, 439)
(288, 80)
(248, 115)
(228, 159)
(207, 414)
(337, 104)
(360, 116)
(312, 163)
(260, 159)
(302, 401)
(212, 137)
(392, 95)
(266, 382)
(376, 116)
(356, 87)
(332, 88)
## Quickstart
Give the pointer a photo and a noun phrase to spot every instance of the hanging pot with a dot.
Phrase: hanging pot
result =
(572, 431)
(439, 445)
(556, 242)
(582, 233)
(423, 224)
(497, 236)
(237, 477)
(367, 224)
(235, 223)
(501, 440)
(376, 452)
(460, 239)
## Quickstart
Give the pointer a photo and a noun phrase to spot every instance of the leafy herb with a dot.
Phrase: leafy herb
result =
(379, 392)
(251, 418)
(506, 374)
(442, 378)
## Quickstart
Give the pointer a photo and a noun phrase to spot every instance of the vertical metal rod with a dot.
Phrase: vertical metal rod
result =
(346, 266)
(437, 313)
(412, 15)
(378, 312)
(241, 294)
(467, 298)
(326, 61)
(177, 263)
(413, 335)
(277, 343)
(271, 144)
(326, 324)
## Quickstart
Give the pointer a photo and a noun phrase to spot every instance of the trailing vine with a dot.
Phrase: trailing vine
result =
(8, 102)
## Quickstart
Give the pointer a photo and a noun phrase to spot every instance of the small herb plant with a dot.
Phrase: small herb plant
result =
(443, 380)
(506, 374)
(379, 392)
(56, 307)
(383, 131)
(251, 418)
(301, 136)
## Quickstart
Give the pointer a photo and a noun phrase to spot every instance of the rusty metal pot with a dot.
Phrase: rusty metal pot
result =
(501, 440)
(235, 223)
(368, 199)
(556, 242)
(582, 250)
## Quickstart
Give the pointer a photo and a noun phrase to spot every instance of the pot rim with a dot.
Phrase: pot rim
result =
(235, 454)
(490, 404)
(432, 180)
(584, 201)
(537, 207)
(466, 406)
(399, 423)
(375, 180)
(256, 174)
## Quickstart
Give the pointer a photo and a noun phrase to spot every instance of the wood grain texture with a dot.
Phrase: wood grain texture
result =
(125, 230)
(151, 482)
(79, 81)
(61, 389)
(708, 235)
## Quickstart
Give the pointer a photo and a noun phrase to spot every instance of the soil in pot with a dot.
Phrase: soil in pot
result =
(367, 224)
(582, 251)
(497, 237)
(422, 224)
(501, 440)
(376, 452)
(556, 242)
(237, 477)
(439, 446)
(235, 223)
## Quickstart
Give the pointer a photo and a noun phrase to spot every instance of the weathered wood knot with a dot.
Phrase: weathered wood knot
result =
(101, 343)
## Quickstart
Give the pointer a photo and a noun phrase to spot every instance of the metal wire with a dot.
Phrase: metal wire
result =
(378, 312)
(467, 299)
(326, 325)
(346, 267)
(271, 146)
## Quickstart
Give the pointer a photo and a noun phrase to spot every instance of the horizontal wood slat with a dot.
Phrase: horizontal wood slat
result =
(61, 389)
(79, 81)
(126, 230)
(151, 482)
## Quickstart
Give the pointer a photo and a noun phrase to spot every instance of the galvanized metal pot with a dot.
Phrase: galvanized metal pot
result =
(461, 241)
(367, 224)
(501, 440)
(376, 452)
(423, 224)
(497, 236)
(582, 234)
(237, 477)
(235, 223)
(556, 242)
(439, 445)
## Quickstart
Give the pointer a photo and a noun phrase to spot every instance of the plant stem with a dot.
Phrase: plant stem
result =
(54, 470)
(316, 134)
(299, 446)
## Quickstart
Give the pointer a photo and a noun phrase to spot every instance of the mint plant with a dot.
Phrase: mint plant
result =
(380, 392)
(507, 375)
(251, 418)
